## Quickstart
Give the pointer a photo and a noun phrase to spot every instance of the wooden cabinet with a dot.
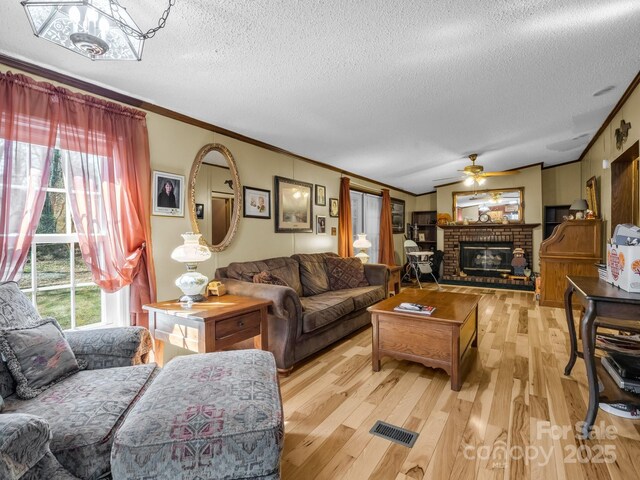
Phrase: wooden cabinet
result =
(423, 229)
(553, 216)
(574, 247)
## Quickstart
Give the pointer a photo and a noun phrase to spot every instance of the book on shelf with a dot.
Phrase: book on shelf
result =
(629, 384)
(628, 366)
(623, 344)
(415, 308)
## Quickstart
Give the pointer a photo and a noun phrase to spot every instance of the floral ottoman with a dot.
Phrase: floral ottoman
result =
(209, 416)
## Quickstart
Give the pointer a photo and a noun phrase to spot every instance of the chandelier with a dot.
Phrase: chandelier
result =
(97, 29)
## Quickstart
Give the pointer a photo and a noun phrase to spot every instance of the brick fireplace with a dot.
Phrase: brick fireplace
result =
(491, 243)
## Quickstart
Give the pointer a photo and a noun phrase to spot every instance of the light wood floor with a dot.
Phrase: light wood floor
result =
(503, 424)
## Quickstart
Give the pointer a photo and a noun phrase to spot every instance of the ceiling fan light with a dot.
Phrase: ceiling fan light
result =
(468, 181)
(481, 180)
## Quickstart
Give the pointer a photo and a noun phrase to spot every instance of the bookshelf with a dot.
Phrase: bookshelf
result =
(423, 229)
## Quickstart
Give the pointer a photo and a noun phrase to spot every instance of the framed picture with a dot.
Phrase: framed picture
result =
(321, 195)
(293, 204)
(200, 211)
(257, 202)
(422, 237)
(593, 196)
(168, 194)
(397, 215)
(333, 207)
(321, 225)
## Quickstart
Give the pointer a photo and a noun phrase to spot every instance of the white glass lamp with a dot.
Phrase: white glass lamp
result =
(363, 245)
(191, 252)
(579, 205)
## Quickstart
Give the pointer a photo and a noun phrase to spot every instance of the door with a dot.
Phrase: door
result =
(624, 188)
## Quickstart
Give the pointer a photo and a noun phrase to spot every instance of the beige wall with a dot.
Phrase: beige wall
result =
(562, 185)
(605, 149)
(427, 202)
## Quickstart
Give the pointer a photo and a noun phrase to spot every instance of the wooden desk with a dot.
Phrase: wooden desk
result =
(214, 324)
(439, 340)
(599, 300)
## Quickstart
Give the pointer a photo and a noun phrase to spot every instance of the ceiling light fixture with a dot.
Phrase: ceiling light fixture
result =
(97, 29)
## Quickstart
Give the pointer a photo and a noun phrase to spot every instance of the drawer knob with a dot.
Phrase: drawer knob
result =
(241, 323)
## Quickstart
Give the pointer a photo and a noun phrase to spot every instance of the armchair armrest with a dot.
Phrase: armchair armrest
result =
(111, 347)
(24, 441)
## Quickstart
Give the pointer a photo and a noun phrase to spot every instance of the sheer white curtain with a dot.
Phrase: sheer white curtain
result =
(365, 215)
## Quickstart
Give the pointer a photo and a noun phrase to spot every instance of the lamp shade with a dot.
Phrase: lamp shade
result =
(579, 204)
(191, 251)
(362, 242)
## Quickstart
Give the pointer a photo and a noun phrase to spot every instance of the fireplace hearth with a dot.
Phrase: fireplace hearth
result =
(486, 259)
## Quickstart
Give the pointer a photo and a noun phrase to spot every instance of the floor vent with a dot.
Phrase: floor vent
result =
(395, 434)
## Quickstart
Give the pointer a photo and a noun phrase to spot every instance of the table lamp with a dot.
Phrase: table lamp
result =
(579, 205)
(191, 252)
(363, 245)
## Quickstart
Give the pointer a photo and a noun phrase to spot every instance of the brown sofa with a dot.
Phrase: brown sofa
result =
(306, 316)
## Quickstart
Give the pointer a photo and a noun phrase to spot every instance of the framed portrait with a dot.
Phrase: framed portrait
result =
(257, 202)
(593, 196)
(168, 194)
(200, 211)
(321, 195)
(397, 215)
(321, 225)
(333, 207)
(293, 206)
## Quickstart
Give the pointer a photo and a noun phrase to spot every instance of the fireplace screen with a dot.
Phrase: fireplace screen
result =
(489, 259)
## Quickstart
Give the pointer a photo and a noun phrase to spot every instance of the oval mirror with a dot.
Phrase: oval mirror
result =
(215, 197)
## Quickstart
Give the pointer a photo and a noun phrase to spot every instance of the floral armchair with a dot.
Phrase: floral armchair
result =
(65, 431)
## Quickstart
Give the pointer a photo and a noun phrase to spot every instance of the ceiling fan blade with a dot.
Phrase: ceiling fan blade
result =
(498, 174)
(466, 172)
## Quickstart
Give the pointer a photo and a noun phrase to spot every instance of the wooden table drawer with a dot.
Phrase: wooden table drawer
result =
(240, 323)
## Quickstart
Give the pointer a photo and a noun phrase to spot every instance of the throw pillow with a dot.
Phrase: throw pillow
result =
(269, 279)
(345, 273)
(38, 356)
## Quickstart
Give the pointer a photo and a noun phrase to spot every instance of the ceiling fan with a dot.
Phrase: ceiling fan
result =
(476, 174)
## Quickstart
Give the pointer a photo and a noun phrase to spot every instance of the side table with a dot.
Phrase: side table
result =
(208, 326)
(394, 280)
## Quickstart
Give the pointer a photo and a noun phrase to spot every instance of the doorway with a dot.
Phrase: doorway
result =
(625, 201)
(221, 209)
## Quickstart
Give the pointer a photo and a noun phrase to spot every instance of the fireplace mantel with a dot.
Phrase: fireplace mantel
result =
(490, 225)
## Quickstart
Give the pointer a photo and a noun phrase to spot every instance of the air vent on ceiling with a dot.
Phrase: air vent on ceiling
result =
(395, 434)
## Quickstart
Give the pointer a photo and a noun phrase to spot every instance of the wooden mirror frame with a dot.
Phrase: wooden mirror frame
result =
(237, 194)
(520, 190)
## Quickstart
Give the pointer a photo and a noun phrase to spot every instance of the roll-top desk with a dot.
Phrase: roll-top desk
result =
(574, 247)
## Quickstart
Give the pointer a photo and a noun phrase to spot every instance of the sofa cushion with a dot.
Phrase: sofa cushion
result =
(345, 273)
(364, 297)
(269, 279)
(313, 272)
(84, 411)
(284, 267)
(325, 308)
(15, 308)
(38, 356)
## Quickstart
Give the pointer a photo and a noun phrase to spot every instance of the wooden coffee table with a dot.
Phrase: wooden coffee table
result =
(208, 326)
(438, 340)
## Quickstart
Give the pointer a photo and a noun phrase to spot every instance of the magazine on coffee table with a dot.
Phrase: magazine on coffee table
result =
(407, 307)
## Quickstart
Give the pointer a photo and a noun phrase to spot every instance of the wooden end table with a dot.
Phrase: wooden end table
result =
(438, 340)
(208, 326)
(394, 280)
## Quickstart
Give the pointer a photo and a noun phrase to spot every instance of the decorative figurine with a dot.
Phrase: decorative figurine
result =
(519, 262)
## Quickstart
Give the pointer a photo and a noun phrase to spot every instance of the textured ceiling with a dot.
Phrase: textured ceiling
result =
(398, 91)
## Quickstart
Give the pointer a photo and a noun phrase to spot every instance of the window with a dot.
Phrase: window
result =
(365, 218)
(55, 275)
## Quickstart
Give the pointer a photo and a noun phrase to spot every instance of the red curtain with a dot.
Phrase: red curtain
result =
(345, 228)
(109, 189)
(386, 247)
(28, 126)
